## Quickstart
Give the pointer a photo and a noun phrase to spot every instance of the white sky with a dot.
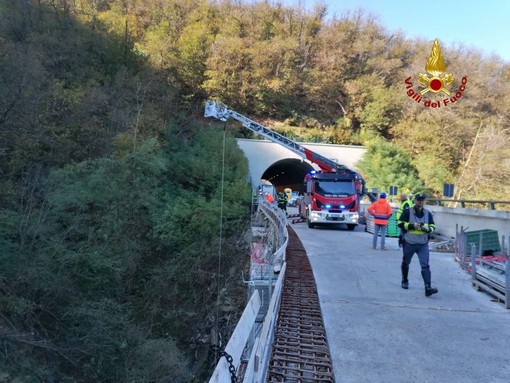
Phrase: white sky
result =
(484, 25)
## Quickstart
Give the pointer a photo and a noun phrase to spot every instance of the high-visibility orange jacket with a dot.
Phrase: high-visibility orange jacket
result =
(269, 198)
(381, 210)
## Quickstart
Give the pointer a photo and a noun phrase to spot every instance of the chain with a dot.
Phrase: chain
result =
(230, 360)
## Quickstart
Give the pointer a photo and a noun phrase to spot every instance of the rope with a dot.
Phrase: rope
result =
(220, 247)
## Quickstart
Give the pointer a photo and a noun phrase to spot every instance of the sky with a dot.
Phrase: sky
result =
(484, 25)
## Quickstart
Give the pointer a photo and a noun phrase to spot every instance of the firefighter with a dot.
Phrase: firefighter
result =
(405, 203)
(282, 201)
(417, 224)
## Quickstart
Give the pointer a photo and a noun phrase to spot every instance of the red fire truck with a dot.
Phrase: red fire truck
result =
(332, 194)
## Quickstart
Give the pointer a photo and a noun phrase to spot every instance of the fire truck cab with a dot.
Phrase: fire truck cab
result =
(331, 198)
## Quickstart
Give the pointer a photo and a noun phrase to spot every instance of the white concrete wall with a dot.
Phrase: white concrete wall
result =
(447, 219)
(261, 154)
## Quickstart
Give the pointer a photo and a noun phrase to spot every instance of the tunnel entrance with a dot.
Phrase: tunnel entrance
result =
(287, 173)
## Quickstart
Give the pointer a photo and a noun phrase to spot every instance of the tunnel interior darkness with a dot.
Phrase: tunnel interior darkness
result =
(287, 173)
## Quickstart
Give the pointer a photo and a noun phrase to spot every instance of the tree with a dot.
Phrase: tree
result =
(385, 165)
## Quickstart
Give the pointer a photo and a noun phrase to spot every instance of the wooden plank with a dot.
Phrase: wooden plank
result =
(495, 265)
(493, 276)
(487, 288)
(490, 283)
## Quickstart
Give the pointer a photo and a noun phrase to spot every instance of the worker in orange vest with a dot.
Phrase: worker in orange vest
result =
(269, 198)
(381, 210)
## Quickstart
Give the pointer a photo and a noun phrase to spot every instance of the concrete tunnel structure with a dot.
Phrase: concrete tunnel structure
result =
(274, 163)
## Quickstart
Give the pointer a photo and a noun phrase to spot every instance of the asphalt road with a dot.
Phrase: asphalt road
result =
(378, 332)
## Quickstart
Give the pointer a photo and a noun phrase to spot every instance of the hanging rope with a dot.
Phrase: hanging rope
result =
(220, 246)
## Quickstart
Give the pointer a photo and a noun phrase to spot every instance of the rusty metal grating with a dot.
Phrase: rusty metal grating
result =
(300, 351)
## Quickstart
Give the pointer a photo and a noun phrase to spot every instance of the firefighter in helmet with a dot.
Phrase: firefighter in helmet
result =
(282, 201)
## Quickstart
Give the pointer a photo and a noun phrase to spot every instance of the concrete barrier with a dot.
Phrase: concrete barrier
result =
(448, 220)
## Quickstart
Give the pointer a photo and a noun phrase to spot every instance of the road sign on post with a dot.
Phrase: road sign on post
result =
(448, 190)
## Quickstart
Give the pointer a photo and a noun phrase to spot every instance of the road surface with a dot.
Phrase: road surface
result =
(378, 332)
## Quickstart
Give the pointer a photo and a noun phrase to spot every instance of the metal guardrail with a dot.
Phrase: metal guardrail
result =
(249, 347)
(490, 274)
(491, 205)
(491, 277)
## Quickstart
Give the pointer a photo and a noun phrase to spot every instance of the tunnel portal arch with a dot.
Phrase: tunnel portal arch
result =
(273, 163)
(287, 173)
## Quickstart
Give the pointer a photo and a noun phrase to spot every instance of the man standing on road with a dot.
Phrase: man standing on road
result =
(417, 223)
(381, 210)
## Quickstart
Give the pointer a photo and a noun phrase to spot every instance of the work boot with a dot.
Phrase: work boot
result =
(430, 290)
(425, 273)
(405, 273)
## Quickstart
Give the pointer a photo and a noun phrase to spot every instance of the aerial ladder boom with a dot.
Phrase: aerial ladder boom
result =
(220, 111)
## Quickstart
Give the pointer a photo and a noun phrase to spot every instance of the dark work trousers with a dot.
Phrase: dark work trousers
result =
(423, 255)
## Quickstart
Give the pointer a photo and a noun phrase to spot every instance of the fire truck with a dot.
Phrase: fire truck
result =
(331, 194)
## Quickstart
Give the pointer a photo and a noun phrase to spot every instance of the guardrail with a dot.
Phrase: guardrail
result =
(492, 277)
(250, 347)
(491, 205)
(487, 262)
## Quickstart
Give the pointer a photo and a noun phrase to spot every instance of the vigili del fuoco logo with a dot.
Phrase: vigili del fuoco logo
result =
(435, 81)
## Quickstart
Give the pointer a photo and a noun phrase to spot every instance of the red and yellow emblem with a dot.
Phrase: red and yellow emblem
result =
(435, 67)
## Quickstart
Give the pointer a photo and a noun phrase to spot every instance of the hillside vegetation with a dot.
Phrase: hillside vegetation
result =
(123, 212)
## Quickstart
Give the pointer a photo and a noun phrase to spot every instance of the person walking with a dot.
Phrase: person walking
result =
(405, 203)
(417, 224)
(381, 210)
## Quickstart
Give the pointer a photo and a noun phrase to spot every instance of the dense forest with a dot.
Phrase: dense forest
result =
(123, 213)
